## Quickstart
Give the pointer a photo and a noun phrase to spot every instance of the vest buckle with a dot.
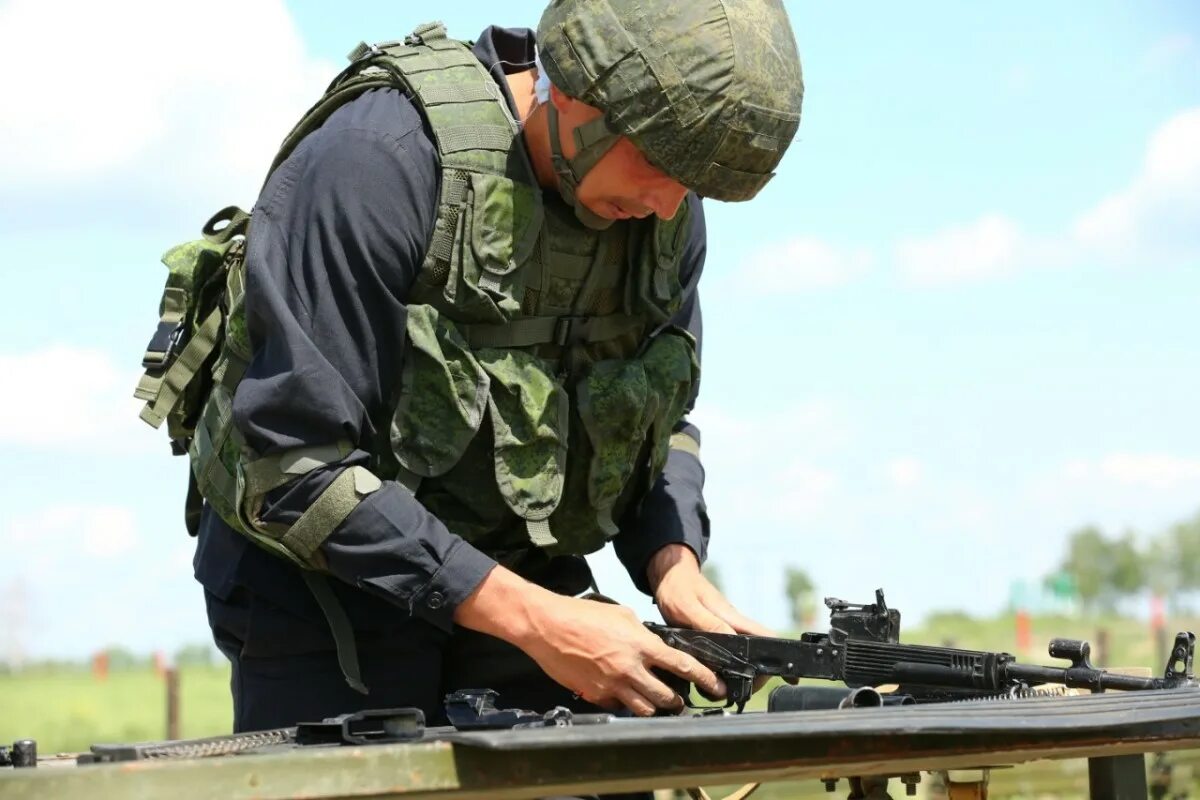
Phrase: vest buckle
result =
(571, 331)
(163, 344)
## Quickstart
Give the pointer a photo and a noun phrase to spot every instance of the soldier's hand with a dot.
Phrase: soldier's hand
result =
(687, 599)
(604, 654)
(600, 651)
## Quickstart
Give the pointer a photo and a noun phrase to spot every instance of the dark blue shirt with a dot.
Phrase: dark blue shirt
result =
(337, 238)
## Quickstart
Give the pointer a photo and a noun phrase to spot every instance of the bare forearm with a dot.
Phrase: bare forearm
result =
(600, 651)
(503, 605)
(670, 558)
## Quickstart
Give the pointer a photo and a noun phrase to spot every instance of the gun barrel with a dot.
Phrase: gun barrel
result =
(1082, 678)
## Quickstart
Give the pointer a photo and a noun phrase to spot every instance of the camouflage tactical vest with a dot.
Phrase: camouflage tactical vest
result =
(542, 377)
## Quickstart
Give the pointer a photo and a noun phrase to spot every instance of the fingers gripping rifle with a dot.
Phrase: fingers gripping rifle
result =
(862, 648)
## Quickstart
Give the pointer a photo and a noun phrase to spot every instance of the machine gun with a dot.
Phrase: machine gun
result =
(863, 649)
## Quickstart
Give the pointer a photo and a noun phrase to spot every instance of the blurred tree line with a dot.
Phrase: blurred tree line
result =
(119, 658)
(1099, 570)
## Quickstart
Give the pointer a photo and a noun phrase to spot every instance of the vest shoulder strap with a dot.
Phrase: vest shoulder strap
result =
(471, 123)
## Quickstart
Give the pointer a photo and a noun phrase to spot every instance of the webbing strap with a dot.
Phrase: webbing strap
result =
(529, 331)
(442, 247)
(183, 370)
(218, 412)
(166, 336)
(539, 533)
(438, 60)
(443, 94)
(408, 479)
(193, 504)
(592, 140)
(329, 510)
(428, 32)
(263, 475)
(270, 472)
(215, 475)
(457, 138)
(147, 387)
(568, 181)
(454, 187)
(339, 626)
(571, 171)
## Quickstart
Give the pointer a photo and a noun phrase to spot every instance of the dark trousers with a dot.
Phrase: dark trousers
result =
(285, 668)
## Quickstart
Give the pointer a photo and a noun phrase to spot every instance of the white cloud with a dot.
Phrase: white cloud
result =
(986, 248)
(736, 438)
(1154, 219)
(93, 531)
(166, 104)
(1149, 223)
(803, 264)
(904, 473)
(773, 464)
(70, 396)
(1155, 471)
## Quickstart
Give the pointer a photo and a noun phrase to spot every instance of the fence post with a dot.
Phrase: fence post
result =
(172, 675)
(1101, 653)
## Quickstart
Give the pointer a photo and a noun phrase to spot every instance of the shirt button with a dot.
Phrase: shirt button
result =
(435, 600)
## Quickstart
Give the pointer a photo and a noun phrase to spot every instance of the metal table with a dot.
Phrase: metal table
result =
(1113, 730)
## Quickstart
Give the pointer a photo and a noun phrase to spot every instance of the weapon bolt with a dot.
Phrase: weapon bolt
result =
(830, 784)
(910, 782)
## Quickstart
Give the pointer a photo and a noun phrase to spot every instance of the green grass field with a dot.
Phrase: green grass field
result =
(68, 710)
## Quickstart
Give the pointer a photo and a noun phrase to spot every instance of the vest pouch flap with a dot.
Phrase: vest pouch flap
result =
(529, 412)
(673, 370)
(444, 393)
(617, 406)
(507, 216)
(621, 403)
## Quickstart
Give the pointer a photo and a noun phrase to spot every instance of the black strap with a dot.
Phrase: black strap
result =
(339, 626)
(565, 331)
(192, 506)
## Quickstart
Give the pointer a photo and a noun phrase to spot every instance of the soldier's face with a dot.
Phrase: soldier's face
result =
(623, 184)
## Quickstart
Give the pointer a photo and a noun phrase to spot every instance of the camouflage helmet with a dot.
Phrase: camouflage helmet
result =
(708, 90)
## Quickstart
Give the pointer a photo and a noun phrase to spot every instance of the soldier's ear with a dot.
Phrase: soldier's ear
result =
(558, 99)
(564, 103)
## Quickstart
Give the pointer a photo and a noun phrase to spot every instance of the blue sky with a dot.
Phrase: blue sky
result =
(959, 323)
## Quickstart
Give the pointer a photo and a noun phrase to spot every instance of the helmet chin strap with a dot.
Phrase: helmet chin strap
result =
(592, 141)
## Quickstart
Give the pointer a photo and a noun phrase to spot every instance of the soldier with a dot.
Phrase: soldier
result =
(462, 358)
